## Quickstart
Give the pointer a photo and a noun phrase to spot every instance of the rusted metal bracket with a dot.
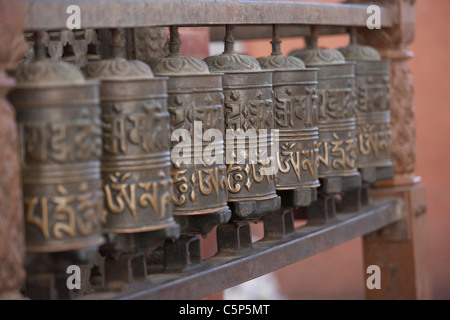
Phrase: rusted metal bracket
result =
(234, 237)
(125, 269)
(278, 225)
(182, 254)
(321, 211)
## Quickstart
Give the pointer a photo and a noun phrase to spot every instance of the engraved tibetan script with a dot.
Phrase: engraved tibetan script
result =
(122, 196)
(65, 215)
(147, 129)
(65, 142)
(372, 141)
(339, 153)
(200, 182)
(288, 108)
(291, 158)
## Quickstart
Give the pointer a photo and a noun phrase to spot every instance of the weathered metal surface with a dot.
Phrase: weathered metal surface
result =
(136, 176)
(337, 121)
(146, 13)
(125, 269)
(59, 121)
(136, 148)
(372, 111)
(321, 211)
(279, 225)
(196, 109)
(233, 237)
(248, 117)
(233, 267)
(296, 119)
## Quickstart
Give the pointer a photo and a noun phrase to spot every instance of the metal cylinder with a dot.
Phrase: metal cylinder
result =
(295, 112)
(195, 103)
(59, 121)
(248, 112)
(337, 122)
(136, 147)
(372, 112)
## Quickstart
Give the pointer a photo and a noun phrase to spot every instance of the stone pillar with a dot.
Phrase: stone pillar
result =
(12, 244)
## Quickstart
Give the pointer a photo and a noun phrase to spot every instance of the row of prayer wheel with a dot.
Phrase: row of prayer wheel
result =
(124, 147)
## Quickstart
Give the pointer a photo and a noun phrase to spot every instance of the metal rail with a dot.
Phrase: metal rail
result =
(226, 270)
(51, 14)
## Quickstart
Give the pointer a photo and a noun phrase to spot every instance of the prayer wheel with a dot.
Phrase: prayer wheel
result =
(195, 103)
(248, 117)
(136, 146)
(59, 121)
(295, 113)
(338, 170)
(372, 111)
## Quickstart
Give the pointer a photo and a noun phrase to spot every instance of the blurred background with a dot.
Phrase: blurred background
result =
(338, 273)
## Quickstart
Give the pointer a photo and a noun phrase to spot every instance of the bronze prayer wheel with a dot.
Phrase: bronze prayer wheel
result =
(337, 121)
(59, 121)
(136, 147)
(248, 106)
(195, 103)
(372, 111)
(295, 113)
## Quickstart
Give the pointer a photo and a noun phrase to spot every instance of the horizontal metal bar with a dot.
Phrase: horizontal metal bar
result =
(223, 271)
(52, 15)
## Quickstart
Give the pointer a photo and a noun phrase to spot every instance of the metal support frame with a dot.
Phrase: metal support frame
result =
(236, 265)
(153, 13)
